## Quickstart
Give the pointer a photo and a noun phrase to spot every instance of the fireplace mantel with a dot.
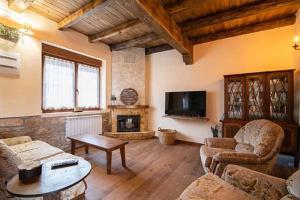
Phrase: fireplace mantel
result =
(128, 107)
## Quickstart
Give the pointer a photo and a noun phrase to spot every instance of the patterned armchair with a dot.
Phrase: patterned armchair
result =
(261, 185)
(242, 183)
(255, 146)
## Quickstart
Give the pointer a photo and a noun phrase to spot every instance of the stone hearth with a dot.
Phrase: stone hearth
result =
(137, 110)
(142, 135)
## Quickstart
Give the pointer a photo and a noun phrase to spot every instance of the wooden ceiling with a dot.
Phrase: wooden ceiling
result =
(159, 25)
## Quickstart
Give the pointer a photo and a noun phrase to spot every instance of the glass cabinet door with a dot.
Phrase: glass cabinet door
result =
(255, 91)
(234, 98)
(279, 95)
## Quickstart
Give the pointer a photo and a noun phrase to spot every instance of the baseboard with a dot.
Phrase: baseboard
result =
(188, 142)
(184, 142)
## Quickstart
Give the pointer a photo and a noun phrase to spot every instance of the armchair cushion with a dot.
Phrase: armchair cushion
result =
(262, 135)
(248, 133)
(266, 140)
(293, 184)
(255, 183)
(226, 143)
(244, 148)
(17, 140)
(235, 157)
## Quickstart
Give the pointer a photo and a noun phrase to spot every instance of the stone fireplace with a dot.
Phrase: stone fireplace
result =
(128, 123)
(129, 71)
(124, 121)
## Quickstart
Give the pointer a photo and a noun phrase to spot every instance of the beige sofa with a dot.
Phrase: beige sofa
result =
(255, 146)
(245, 184)
(14, 151)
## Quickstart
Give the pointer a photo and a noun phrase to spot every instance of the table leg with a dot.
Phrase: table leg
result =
(73, 147)
(122, 151)
(108, 162)
(55, 196)
(86, 149)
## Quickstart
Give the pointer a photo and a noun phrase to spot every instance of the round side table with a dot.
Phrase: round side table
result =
(51, 181)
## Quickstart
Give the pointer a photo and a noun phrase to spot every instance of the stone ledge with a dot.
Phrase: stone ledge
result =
(73, 114)
(131, 135)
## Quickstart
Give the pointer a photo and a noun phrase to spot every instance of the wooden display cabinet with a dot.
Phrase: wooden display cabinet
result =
(262, 95)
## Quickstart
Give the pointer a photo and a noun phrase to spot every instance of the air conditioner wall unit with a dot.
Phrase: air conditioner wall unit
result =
(9, 63)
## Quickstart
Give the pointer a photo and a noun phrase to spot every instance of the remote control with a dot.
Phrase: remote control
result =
(64, 163)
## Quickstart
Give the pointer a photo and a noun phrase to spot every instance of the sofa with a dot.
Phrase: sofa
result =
(243, 183)
(14, 151)
(255, 146)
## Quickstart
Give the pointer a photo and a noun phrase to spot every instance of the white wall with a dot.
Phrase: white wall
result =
(22, 96)
(262, 51)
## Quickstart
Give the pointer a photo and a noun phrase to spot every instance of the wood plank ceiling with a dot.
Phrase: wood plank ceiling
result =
(159, 25)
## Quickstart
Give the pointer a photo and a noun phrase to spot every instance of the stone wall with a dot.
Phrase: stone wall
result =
(48, 129)
(128, 71)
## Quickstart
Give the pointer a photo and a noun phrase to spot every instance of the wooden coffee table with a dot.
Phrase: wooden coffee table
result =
(51, 181)
(100, 142)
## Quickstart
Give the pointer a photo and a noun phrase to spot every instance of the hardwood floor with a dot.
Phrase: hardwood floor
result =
(154, 171)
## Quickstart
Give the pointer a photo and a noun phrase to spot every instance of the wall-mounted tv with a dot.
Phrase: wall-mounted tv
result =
(188, 103)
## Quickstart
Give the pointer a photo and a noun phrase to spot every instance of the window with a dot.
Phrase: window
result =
(59, 84)
(68, 84)
(88, 86)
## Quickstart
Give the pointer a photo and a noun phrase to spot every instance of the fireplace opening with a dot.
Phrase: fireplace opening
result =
(128, 123)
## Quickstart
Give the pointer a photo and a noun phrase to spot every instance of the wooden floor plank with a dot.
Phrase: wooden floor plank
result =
(153, 172)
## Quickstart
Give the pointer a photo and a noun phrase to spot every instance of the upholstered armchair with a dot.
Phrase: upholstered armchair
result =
(262, 185)
(255, 146)
(242, 183)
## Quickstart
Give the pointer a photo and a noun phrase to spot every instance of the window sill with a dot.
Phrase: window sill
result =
(71, 114)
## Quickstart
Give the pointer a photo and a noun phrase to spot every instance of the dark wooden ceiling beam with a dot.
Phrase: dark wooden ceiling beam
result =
(160, 48)
(181, 6)
(245, 30)
(153, 14)
(237, 13)
(82, 13)
(134, 42)
(120, 29)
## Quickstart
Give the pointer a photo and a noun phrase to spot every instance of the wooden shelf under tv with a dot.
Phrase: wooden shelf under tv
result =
(186, 117)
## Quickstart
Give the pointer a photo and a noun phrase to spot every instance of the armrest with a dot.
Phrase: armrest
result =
(226, 143)
(236, 157)
(17, 140)
(255, 183)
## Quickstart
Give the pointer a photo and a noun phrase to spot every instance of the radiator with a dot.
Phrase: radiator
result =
(91, 124)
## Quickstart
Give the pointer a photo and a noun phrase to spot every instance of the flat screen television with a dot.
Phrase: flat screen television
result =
(188, 103)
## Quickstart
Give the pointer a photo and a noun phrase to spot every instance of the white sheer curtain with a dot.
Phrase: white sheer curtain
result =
(88, 86)
(58, 83)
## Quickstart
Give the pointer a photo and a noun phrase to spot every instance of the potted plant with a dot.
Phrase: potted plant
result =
(215, 130)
